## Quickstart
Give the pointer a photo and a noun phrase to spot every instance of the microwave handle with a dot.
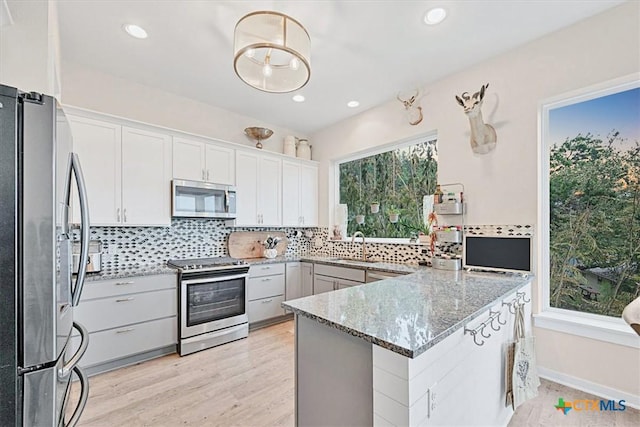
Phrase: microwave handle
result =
(226, 201)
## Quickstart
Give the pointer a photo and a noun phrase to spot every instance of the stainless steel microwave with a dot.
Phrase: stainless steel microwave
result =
(194, 199)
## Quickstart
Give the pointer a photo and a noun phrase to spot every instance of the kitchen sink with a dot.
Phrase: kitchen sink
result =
(353, 260)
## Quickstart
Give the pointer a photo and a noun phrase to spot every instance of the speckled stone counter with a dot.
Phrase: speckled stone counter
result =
(412, 313)
(374, 266)
(132, 272)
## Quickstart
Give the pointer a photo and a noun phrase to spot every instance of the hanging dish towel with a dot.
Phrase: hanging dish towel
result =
(521, 369)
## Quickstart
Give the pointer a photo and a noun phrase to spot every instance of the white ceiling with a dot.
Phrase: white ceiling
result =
(362, 50)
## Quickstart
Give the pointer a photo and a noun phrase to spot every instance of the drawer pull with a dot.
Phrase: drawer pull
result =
(266, 268)
(123, 283)
(125, 299)
(123, 331)
(266, 301)
(268, 279)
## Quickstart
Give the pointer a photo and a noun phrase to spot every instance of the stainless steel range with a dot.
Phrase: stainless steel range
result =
(213, 302)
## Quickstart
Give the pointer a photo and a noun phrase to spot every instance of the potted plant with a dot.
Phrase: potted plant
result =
(359, 219)
(394, 214)
(375, 207)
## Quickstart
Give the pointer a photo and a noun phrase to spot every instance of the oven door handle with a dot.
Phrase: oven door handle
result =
(213, 279)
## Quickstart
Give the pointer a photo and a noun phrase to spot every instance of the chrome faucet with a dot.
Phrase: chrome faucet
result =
(364, 243)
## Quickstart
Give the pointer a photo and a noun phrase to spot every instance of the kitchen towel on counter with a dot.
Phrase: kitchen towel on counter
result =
(521, 369)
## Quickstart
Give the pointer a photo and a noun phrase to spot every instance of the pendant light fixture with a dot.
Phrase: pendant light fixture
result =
(272, 52)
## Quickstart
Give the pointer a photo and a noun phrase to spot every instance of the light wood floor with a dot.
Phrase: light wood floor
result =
(250, 383)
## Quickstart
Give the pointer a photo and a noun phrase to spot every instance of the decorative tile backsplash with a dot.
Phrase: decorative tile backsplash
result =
(130, 248)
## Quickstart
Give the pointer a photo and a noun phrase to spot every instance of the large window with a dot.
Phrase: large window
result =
(384, 192)
(594, 201)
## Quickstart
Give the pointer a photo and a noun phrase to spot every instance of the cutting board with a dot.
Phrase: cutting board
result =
(248, 244)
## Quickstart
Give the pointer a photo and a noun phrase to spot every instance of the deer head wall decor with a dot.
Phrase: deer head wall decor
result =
(414, 113)
(483, 136)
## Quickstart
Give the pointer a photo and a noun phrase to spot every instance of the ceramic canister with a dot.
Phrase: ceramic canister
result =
(304, 149)
(289, 145)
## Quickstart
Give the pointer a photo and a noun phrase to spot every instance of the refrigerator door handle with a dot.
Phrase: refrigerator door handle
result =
(84, 343)
(84, 225)
(84, 396)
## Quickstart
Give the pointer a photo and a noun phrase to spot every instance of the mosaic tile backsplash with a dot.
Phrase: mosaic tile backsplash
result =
(130, 248)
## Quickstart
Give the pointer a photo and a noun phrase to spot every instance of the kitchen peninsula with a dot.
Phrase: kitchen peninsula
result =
(399, 351)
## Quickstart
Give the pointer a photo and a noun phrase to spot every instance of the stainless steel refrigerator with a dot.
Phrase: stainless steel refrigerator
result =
(37, 290)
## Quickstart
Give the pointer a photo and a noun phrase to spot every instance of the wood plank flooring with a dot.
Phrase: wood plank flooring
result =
(250, 382)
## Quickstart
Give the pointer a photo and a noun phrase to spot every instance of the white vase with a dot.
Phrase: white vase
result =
(289, 146)
(304, 149)
(270, 253)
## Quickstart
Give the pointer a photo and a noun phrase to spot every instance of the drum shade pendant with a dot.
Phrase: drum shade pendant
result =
(272, 52)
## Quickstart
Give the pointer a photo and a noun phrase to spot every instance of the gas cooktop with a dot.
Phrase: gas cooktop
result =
(195, 264)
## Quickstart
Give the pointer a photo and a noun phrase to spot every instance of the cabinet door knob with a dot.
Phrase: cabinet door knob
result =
(118, 214)
(124, 214)
(207, 174)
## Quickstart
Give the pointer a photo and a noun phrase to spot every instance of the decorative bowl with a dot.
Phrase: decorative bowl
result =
(258, 134)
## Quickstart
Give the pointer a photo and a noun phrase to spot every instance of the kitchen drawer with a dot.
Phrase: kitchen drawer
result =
(266, 270)
(265, 308)
(117, 343)
(105, 313)
(340, 272)
(128, 285)
(267, 286)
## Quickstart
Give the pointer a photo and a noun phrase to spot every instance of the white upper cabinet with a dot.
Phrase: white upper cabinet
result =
(259, 189)
(127, 173)
(188, 160)
(220, 164)
(200, 161)
(299, 194)
(146, 177)
(98, 145)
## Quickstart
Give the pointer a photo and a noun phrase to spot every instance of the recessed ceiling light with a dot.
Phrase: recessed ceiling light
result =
(298, 98)
(435, 16)
(135, 31)
(353, 104)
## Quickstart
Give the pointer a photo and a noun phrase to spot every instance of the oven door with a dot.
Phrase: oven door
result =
(211, 303)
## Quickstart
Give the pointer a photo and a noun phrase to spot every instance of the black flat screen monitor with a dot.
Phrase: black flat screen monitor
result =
(498, 253)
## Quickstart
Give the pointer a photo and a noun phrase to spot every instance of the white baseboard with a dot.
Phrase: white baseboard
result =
(589, 387)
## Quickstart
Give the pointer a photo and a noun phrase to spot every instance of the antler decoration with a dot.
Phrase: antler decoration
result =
(414, 113)
(483, 136)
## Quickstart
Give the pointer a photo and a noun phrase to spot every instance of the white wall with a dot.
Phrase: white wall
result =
(90, 89)
(27, 56)
(501, 188)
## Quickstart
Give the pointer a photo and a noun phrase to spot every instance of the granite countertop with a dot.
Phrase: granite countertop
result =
(363, 265)
(409, 314)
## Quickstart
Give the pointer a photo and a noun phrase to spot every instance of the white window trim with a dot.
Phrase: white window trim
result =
(593, 326)
(335, 165)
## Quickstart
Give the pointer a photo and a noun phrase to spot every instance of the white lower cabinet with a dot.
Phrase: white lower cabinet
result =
(127, 317)
(293, 284)
(328, 278)
(113, 344)
(306, 277)
(265, 292)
